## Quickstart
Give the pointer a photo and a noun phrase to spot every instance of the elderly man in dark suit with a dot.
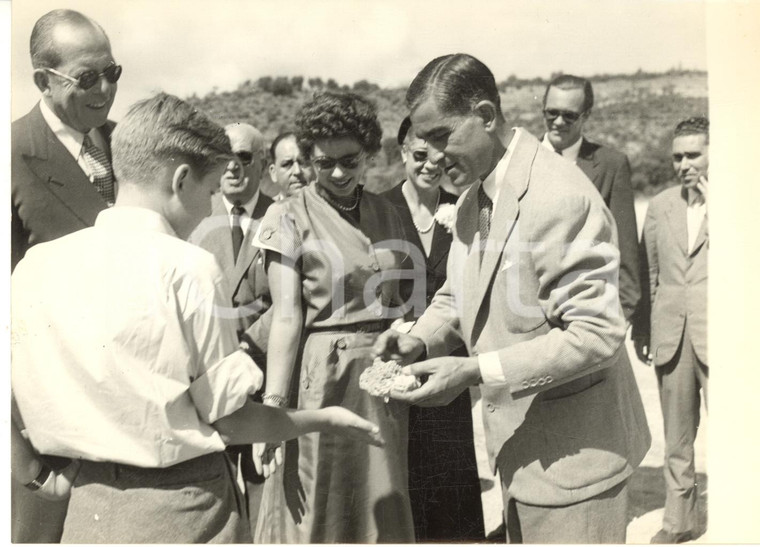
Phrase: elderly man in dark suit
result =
(568, 101)
(531, 291)
(61, 175)
(227, 234)
(673, 335)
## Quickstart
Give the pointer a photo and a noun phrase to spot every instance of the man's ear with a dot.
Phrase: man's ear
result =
(180, 178)
(486, 111)
(41, 80)
(272, 172)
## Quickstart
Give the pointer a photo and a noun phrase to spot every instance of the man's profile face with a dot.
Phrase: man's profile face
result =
(690, 158)
(561, 132)
(81, 49)
(459, 144)
(290, 171)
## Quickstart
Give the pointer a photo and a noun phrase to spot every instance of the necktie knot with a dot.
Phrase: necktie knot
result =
(100, 169)
(238, 210)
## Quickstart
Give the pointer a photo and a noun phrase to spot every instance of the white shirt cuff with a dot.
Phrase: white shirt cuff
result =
(490, 368)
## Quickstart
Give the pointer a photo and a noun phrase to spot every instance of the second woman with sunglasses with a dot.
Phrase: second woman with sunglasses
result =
(330, 301)
(444, 486)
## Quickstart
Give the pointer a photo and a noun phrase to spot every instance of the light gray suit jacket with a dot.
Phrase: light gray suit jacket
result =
(677, 279)
(568, 423)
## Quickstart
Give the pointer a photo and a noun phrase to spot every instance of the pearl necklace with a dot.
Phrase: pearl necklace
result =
(432, 221)
(326, 195)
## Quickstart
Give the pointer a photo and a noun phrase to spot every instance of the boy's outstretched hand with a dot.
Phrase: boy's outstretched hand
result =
(343, 422)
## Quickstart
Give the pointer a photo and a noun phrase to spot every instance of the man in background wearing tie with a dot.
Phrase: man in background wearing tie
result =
(227, 234)
(568, 101)
(61, 177)
(673, 335)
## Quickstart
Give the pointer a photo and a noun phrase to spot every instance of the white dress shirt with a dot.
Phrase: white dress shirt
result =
(72, 139)
(570, 153)
(695, 215)
(246, 218)
(118, 349)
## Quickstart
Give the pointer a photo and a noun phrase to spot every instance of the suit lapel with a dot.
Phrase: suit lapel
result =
(54, 165)
(676, 215)
(247, 251)
(587, 161)
(511, 189)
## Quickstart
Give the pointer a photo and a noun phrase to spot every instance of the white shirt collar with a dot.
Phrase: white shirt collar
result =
(694, 198)
(134, 218)
(249, 205)
(69, 137)
(570, 153)
(490, 186)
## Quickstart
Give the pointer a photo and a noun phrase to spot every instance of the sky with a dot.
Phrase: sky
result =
(192, 46)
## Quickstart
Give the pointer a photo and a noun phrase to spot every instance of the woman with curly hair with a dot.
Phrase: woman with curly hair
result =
(325, 263)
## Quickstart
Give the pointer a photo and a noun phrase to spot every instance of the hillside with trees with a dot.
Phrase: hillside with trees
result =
(634, 113)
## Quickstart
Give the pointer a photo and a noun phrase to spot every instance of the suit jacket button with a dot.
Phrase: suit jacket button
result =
(541, 381)
(376, 266)
(549, 379)
(525, 384)
(266, 234)
(341, 343)
(490, 407)
(533, 382)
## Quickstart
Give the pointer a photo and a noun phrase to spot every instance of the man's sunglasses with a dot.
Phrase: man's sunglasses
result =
(246, 158)
(323, 163)
(89, 78)
(569, 116)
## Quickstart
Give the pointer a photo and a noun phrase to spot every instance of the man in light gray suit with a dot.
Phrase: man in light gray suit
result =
(531, 292)
(227, 234)
(673, 335)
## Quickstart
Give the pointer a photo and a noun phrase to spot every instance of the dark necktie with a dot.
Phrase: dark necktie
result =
(237, 230)
(485, 205)
(100, 169)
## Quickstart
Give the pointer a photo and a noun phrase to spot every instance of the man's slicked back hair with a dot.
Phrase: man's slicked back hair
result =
(457, 82)
(42, 47)
(164, 128)
(696, 125)
(567, 82)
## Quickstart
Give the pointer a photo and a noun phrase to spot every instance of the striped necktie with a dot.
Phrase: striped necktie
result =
(237, 230)
(100, 170)
(485, 205)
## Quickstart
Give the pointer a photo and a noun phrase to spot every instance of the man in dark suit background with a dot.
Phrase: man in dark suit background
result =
(673, 335)
(61, 176)
(568, 101)
(227, 234)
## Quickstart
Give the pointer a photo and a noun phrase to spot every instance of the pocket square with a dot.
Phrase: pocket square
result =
(506, 264)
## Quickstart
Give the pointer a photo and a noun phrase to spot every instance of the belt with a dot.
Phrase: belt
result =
(364, 326)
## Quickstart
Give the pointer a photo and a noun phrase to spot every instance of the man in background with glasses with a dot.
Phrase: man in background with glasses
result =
(61, 176)
(568, 101)
(227, 234)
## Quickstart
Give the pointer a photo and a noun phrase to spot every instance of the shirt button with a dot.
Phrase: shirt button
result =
(306, 384)
(267, 234)
(490, 407)
(341, 343)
